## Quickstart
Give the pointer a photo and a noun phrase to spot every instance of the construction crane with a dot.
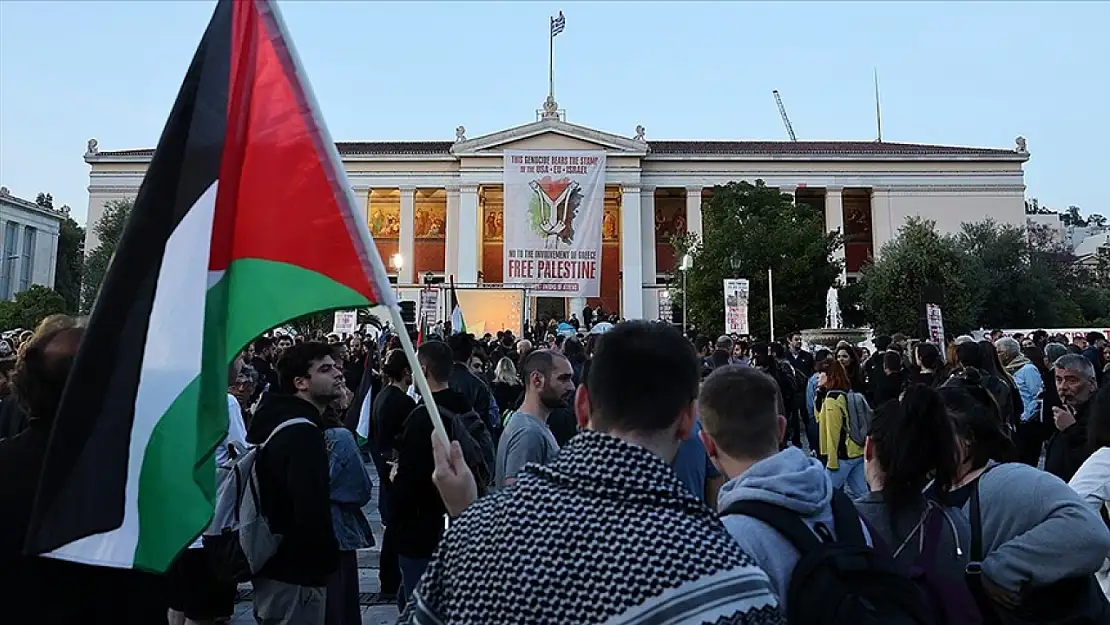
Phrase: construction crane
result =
(785, 119)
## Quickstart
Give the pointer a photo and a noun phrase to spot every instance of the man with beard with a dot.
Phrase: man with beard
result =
(549, 381)
(1076, 382)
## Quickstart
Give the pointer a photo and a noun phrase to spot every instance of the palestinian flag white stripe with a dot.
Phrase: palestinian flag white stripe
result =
(171, 361)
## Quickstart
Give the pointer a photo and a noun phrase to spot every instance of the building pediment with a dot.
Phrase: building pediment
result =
(549, 134)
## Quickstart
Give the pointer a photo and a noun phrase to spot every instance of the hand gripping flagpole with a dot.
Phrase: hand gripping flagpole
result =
(357, 223)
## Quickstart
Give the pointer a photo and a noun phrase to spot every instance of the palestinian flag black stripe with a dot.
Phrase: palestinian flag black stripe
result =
(244, 221)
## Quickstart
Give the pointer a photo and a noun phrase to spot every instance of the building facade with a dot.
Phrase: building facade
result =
(28, 244)
(439, 204)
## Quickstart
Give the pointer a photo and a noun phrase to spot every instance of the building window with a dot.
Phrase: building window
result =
(27, 269)
(7, 263)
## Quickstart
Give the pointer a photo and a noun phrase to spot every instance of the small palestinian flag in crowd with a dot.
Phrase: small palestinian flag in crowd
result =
(244, 221)
(458, 324)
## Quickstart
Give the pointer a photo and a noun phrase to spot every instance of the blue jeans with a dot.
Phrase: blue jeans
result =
(412, 569)
(850, 477)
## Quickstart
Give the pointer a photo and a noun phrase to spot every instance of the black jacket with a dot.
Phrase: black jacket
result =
(293, 484)
(417, 508)
(12, 418)
(267, 376)
(473, 389)
(50, 591)
(1068, 449)
(802, 361)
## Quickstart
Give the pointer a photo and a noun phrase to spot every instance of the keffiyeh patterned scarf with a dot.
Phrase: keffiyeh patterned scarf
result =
(604, 534)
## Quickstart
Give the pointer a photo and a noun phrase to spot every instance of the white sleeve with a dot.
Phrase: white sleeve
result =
(1092, 480)
(236, 429)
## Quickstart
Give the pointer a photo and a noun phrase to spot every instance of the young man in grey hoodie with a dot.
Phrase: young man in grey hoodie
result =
(742, 425)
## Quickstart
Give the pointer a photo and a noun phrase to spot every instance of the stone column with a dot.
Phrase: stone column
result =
(693, 210)
(451, 249)
(647, 238)
(407, 243)
(576, 305)
(632, 261)
(834, 221)
(880, 219)
(468, 235)
(362, 202)
(17, 261)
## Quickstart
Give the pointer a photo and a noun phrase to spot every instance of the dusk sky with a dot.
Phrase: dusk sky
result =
(977, 74)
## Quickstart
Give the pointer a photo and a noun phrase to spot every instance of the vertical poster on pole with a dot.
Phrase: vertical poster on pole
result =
(935, 321)
(736, 306)
(344, 322)
(554, 206)
(429, 303)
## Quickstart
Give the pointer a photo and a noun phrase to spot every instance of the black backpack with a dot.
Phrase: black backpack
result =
(476, 441)
(842, 581)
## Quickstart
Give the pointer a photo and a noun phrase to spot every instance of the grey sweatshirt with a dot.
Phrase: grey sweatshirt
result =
(1036, 529)
(790, 479)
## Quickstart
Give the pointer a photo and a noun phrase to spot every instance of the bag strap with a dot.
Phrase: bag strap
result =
(783, 521)
(846, 520)
(284, 424)
(973, 573)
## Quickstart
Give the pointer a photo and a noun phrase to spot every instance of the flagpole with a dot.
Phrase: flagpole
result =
(551, 61)
(376, 269)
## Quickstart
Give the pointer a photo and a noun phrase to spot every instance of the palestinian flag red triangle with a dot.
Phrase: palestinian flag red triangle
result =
(245, 220)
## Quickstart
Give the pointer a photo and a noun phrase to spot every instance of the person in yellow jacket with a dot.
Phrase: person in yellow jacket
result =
(843, 457)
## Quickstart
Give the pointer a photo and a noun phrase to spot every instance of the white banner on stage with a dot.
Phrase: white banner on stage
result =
(554, 206)
(736, 306)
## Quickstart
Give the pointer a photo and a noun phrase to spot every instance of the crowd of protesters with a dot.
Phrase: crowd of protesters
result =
(620, 472)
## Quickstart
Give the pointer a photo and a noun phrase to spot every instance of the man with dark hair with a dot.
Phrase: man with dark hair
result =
(470, 386)
(873, 368)
(417, 508)
(1093, 352)
(566, 542)
(265, 355)
(799, 358)
(293, 485)
(740, 409)
(29, 585)
(548, 383)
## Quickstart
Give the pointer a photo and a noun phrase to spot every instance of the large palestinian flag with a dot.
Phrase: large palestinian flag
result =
(244, 221)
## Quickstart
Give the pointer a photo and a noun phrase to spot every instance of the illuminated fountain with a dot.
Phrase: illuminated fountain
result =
(833, 332)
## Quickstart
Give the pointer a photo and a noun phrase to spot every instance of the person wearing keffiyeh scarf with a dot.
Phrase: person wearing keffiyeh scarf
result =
(606, 533)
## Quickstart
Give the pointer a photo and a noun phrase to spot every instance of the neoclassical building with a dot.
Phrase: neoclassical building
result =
(439, 204)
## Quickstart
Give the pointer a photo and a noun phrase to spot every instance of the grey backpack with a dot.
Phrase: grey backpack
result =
(859, 417)
(239, 540)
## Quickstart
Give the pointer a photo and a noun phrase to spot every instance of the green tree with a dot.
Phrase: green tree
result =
(917, 262)
(70, 263)
(1015, 291)
(45, 200)
(31, 306)
(758, 228)
(108, 230)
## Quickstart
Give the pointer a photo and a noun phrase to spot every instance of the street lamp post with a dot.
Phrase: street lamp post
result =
(771, 299)
(687, 264)
(397, 262)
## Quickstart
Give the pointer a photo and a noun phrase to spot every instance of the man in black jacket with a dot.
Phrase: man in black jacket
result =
(1067, 450)
(294, 488)
(417, 507)
(469, 385)
(265, 352)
